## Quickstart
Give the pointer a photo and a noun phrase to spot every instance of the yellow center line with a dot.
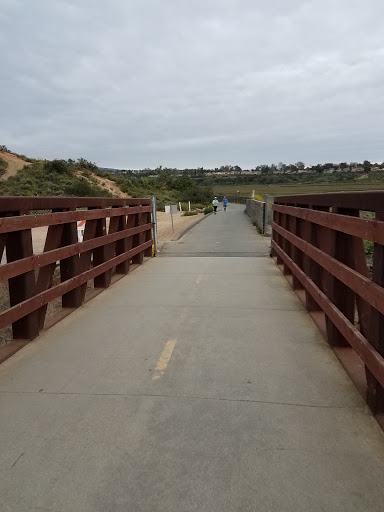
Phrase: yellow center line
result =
(164, 359)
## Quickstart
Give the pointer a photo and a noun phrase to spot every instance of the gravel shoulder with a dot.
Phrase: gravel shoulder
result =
(164, 225)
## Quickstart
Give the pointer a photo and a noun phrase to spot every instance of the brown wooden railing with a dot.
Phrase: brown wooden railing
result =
(318, 241)
(118, 233)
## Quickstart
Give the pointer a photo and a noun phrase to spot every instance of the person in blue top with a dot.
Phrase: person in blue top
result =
(225, 202)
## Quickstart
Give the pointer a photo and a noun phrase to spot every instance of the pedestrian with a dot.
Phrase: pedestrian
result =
(225, 203)
(215, 203)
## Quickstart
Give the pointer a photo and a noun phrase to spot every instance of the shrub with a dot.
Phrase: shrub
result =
(197, 194)
(368, 246)
(207, 210)
(58, 166)
(189, 214)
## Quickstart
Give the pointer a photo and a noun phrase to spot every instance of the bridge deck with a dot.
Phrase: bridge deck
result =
(197, 383)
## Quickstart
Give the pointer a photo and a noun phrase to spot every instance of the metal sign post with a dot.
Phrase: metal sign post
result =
(154, 220)
(171, 210)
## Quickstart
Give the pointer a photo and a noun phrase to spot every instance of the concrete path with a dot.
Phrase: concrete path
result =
(197, 383)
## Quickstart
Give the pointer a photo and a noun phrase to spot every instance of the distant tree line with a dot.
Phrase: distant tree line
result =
(264, 169)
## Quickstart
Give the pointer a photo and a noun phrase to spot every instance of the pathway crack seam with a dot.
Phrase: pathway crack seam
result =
(187, 397)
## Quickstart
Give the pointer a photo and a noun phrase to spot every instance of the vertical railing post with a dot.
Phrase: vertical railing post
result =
(70, 267)
(22, 287)
(121, 246)
(308, 234)
(140, 219)
(100, 255)
(340, 294)
(294, 228)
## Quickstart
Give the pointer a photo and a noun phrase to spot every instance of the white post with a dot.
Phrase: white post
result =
(189, 205)
(180, 206)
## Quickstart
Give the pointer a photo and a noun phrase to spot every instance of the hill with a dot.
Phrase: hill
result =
(12, 164)
(28, 177)
(48, 178)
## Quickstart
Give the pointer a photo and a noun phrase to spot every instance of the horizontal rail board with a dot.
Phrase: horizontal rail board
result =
(372, 230)
(32, 304)
(367, 200)
(17, 267)
(18, 203)
(371, 358)
(17, 223)
(361, 285)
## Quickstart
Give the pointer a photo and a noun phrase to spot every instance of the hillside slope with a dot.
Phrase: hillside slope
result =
(15, 164)
(104, 183)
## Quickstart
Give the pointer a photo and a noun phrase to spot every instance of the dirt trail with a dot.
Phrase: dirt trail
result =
(110, 185)
(105, 183)
(15, 164)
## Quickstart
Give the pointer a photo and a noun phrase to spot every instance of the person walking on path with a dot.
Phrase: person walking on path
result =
(215, 203)
(225, 203)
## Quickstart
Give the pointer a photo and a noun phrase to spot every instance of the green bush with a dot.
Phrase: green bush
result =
(189, 214)
(197, 194)
(368, 246)
(207, 210)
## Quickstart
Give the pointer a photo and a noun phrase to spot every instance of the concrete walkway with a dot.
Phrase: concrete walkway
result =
(197, 383)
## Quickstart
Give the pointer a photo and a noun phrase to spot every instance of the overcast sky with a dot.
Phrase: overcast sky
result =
(139, 83)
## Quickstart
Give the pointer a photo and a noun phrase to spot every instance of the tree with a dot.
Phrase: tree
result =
(300, 166)
(367, 165)
(343, 165)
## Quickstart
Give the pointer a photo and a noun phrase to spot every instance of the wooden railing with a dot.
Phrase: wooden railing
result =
(318, 240)
(117, 233)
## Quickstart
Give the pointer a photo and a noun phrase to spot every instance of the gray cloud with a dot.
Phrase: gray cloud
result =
(181, 83)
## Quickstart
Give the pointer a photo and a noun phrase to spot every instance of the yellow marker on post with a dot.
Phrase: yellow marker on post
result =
(164, 359)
